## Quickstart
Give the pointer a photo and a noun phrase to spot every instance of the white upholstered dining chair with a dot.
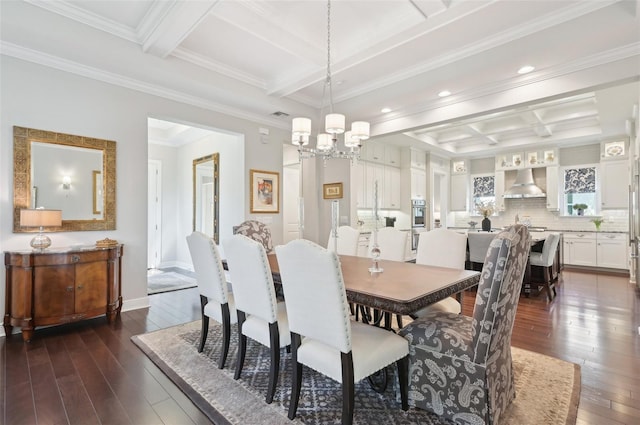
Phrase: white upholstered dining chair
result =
(442, 248)
(260, 316)
(215, 300)
(323, 337)
(392, 244)
(347, 240)
(478, 246)
(544, 260)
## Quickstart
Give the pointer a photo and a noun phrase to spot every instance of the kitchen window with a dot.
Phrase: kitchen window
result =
(580, 194)
(484, 193)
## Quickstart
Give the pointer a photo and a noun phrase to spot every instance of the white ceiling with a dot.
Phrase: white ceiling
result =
(252, 58)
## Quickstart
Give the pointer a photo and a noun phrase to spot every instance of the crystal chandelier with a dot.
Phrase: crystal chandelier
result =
(327, 143)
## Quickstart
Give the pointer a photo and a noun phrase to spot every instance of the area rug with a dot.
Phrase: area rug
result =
(547, 389)
(168, 281)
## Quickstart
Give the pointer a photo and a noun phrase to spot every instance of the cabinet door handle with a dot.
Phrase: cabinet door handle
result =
(69, 288)
(80, 286)
(75, 258)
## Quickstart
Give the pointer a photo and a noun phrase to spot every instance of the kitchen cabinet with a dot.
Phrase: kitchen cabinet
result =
(580, 249)
(388, 178)
(612, 250)
(391, 188)
(614, 190)
(459, 193)
(392, 156)
(498, 188)
(552, 189)
(608, 250)
(373, 152)
(61, 286)
(418, 159)
(418, 184)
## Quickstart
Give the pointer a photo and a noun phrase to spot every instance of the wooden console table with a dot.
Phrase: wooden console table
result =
(61, 285)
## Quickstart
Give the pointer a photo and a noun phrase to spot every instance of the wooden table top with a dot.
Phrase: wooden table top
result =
(402, 288)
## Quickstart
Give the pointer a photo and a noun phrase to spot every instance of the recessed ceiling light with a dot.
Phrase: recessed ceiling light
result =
(526, 69)
(385, 110)
(444, 93)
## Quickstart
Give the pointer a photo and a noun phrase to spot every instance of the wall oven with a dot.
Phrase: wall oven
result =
(418, 220)
(418, 212)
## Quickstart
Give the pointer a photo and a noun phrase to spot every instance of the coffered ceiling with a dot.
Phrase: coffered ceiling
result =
(265, 60)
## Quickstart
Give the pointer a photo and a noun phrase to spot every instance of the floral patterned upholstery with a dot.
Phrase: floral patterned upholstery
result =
(257, 231)
(460, 367)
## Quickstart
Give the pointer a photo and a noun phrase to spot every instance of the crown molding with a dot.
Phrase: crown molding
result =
(37, 57)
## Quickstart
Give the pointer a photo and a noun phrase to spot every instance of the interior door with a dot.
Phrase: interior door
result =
(154, 209)
(290, 201)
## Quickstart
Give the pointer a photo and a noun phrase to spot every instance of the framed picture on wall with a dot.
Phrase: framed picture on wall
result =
(332, 191)
(265, 191)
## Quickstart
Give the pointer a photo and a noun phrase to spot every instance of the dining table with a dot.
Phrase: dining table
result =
(402, 288)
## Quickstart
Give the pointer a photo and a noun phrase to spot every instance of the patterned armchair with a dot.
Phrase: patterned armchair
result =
(257, 231)
(460, 367)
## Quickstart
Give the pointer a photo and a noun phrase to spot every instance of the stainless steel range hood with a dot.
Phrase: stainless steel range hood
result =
(524, 187)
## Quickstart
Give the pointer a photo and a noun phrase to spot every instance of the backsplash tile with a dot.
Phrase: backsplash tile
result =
(536, 210)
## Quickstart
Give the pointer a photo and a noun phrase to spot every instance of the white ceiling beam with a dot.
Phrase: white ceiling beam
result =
(174, 26)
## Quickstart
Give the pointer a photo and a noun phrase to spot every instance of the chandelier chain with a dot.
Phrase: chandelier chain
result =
(328, 80)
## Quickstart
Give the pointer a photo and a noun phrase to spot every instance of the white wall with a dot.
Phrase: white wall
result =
(44, 98)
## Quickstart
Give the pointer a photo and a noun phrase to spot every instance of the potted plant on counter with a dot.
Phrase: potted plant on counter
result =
(597, 221)
(580, 208)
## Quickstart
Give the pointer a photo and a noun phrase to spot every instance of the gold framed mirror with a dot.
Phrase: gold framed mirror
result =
(56, 170)
(206, 195)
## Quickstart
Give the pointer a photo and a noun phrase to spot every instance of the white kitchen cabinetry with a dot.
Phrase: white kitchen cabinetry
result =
(614, 190)
(498, 190)
(418, 159)
(418, 184)
(553, 199)
(612, 250)
(392, 156)
(388, 178)
(607, 250)
(459, 192)
(391, 189)
(580, 249)
(373, 152)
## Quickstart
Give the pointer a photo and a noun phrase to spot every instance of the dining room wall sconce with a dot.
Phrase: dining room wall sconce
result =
(66, 182)
(40, 218)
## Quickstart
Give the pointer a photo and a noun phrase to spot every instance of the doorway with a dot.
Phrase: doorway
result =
(291, 194)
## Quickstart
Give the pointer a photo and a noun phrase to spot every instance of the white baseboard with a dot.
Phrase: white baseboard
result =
(179, 264)
(135, 304)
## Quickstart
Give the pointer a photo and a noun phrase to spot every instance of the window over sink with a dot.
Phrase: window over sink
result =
(580, 194)
(484, 193)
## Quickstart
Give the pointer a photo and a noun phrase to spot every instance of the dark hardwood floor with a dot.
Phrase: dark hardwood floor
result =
(91, 373)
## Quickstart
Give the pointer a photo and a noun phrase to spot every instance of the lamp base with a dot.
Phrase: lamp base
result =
(40, 242)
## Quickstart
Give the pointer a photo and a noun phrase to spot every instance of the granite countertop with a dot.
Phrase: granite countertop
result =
(495, 229)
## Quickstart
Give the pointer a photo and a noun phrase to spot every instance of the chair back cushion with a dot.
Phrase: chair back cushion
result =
(251, 278)
(391, 242)
(479, 244)
(549, 249)
(257, 231)
(208, 267)
(442, 248)
(498, 293)
(347, 240)
(314, 293)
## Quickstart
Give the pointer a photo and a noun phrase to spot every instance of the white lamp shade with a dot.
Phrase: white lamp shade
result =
(360, 130)
(301, 126)
(40, 217)
(324, 142)
(350, 141)
(334, 123)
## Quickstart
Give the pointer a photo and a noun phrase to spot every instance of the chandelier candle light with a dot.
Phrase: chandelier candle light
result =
(375, 250)
(327, 143)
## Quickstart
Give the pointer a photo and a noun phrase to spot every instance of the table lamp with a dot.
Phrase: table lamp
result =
(41, 218)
